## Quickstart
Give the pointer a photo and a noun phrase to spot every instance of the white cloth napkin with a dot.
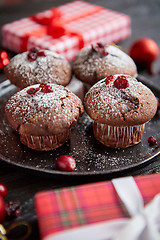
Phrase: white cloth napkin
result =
(144, 223)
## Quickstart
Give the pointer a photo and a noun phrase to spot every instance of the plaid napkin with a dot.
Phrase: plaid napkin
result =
(66, 29)
(71, 207)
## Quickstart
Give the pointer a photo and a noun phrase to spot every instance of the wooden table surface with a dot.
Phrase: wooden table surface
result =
(23, 184)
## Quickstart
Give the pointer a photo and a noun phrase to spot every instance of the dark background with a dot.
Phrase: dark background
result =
(22, 184)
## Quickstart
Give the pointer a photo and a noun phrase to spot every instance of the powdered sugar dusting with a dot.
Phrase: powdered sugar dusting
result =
(43, 69)
(107, 103)
(42, 62)
(118, 58)
(90, 65)
(60, 107)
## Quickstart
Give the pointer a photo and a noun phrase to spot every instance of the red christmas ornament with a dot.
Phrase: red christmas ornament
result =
(3, 59)
(3, 190)
(2, 210)
(144, 52)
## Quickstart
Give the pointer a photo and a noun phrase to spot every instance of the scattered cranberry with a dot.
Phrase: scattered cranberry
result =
(109, 79)
(45, 88)
(13, 209)
(32, 91)
(3, 190)
(100, 48)
(2, 210)
(152, 140)
(66, 163)
(121, 82)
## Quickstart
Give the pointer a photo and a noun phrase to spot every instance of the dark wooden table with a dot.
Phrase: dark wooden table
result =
(23, 184)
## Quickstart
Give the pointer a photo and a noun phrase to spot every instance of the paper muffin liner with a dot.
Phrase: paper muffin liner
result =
(45, 143)
(118, 137)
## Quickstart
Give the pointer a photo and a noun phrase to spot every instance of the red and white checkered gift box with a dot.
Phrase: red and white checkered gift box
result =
(15, 35)
(66, 29)
(67, 12)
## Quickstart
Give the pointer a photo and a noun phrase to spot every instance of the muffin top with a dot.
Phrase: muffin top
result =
(43, 109)
(97, 61)
(120, 100)
(36, 66)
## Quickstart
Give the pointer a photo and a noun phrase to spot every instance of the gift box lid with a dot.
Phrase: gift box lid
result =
(67, 29)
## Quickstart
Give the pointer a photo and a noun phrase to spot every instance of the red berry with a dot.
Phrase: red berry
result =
(104, 52)
(5, 61)
(152, 140)
(121, 82)
(32, 56)
(42, 85)
(3, 54)
(45, 88)
(2, 210)
(109, 79)
(3, 190)
(66, 163)
(41, 54)
(100, 48)
(13, 209)
(17, 212)
(32, 91)
(34, 53)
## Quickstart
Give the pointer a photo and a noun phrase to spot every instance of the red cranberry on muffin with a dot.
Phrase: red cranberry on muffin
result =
(43, 114)
(37, 66)
(119, 106)
(99, 60)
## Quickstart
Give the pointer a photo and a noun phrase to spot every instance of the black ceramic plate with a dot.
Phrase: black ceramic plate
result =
(91, 156)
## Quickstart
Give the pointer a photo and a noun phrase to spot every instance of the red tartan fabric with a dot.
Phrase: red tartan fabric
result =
(66, 29)
(71, 207)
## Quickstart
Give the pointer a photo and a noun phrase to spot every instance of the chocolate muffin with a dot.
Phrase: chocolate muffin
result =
(120, 106)
(98, 61)
(43, 115)
(37, 66)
